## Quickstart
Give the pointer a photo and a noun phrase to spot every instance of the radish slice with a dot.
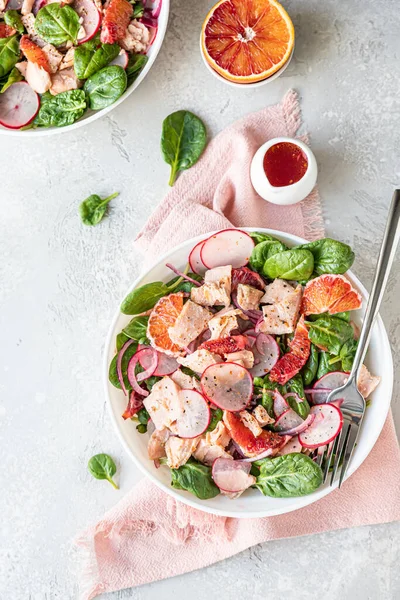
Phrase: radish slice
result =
(232, 475)
(121, 60)
(267, 353)
(19, 105)
(329, 381)
(290, 423)
(293, 445)
(132, 375)
(38, 4)
(196, 414)
(326, 426)
(280, 404)
(156, 9)
(227, 385)
(148, 359)
(195, 261)
(166, 364)
(228, 247)
(87, 10)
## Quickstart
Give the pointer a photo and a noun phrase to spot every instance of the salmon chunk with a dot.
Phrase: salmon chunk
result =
(156, 443)
(179, 451)
(163, 403)
(250, 422)
(248, 297)
(64, 80)
(192, 320)
(216, 290)
(199, 361)
(219, 436)
(207, 453)
(223, 323)
(366, 382)
(281, 314)
(262, 416)
(185, 382)
(243, 357)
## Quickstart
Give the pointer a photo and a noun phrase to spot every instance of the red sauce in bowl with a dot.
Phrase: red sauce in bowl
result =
(284, 163)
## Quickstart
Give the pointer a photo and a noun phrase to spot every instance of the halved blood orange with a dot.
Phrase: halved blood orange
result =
(329, 293)
(247, 40)
(162, 317)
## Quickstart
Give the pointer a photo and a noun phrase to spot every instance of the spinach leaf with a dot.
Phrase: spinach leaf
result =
(184, 285)
(267, 401)
(310, 369)
(57, 24)
(93, 209)
(267, 384)
(144, 298)
(102, 466)
(330, 256)
(324, 365)
(138, 10)
(259, 237)
(263, 251)
(191, 373)
(112, 372)
(61, 110)
(347, 354)
(195, 478)
(329, 333)
(12, 18)
(12, 77)
(105, 87)
(150, 381)
(88, 59)
(121, 340)
(137, 328)
(135, 65)
(182, 141)
(296, 386)
(216, 416)
(9, 54)
(345, 316)
(143, 416)
(292, 264)
(288, 476)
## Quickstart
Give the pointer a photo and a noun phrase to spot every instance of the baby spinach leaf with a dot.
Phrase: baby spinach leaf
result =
(296, 386)
(330, 256)
(112, 372)
(12, 77)
(61, 110)
(89, 59)
(263, 251)
(216, 416)
(347, 354)
(310, 369)
(57, 24)
(324, 365)
(143, 416)
(144, 298)
(137, 328)
(267, 401)
(195, 478)
(288, 476)
(292, 264)
(105, 87)
(138, 10)
(12, 18)
(329, 333)
(121, 340)
(259, 237)
(135, 65)
(184, 285)
(182, 141)
(9, 54)
(93, 209)
(102, 466)
(345, 316)
(150, 381)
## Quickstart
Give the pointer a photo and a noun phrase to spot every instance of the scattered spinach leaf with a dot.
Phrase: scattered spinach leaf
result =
(144, 298)
(310, 369)
(288, 476)
(105, 87)
(102, 466)
(112, 372)
(12, 18)
(182, 141)
(136, 63)
(57, 24)
(195, 478)
(329, 333)
(88, 59)
(9, 54)
(292, 264)
(330, 256)
(137, 328)
(296, 386)
(216, 416)
(13, 77)
(62, 109)
(93, 209)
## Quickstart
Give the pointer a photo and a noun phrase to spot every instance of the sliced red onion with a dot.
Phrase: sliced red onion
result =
(148, 359)
(132, 376)
(299, 428)
(251, 340)
(258, 324)
(175, 270)
(235, 450)
(280, 404)
(157, 9)
(317, 391)
(260, 456)
(119, 362)
(295, 396)
(148, 19)
(157, 463)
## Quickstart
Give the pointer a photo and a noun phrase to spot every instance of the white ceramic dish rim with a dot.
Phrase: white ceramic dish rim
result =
(295, 503)
(154, 50)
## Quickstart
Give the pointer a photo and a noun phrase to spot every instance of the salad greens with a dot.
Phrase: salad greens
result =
(182, 141)
(330, 256)
(102, 466)
(195, 478)
(13, 76)
(93, 209)
(216, 416)
(329, 333)
(137, 329)
(60, 110)
(144, 298)
(57, 24)
(288, 476)
(9, 54)
(105, 86)
(126, 357)
(12, 18)
(310, 369)
(136, 64)
(88, 59)
(295, 264)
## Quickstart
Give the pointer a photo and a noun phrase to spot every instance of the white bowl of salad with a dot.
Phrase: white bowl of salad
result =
(219, 363)
(65, 64)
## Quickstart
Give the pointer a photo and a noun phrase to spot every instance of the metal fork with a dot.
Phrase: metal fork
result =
(353, 406)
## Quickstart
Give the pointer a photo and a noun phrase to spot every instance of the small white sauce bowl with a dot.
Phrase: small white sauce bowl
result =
(288, 194)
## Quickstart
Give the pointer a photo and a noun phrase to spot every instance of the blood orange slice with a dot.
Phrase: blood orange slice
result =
(162, 317)
(329, 293)
(247, 40)
(290, 364)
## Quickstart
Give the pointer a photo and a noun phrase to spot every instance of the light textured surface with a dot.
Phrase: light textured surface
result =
(60, 284)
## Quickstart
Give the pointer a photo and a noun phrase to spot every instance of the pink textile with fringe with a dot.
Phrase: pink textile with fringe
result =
(149, 535)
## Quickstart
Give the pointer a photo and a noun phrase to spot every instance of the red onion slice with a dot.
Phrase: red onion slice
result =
(157, 9)
(132, 375)
(148, 359)
(177, 272)
(290, 423)
(264, 454)
(119, 363)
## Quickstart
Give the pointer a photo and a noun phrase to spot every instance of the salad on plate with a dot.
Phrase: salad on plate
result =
(227, 367)
(59, 59)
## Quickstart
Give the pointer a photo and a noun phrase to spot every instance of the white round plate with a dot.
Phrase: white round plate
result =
(93, 115)
(252, 503)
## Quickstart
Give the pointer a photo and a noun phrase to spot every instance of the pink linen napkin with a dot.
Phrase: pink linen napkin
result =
(149, 535)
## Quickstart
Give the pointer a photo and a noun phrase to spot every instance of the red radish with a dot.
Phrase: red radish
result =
(330, 381)
(157, 9)
(91, 18)
(280, 404)
(119, 362)
(121, 60)
(290, 423)
(38, 4)
(19, 105)
(227, 385)
(132, 375)
(148, 359)
(166, 364)
(326, 426)
(227, 247)
(153, 34)
(232, 475)
(267, 353)
(195, 262)
(293, 445)
(196, 414)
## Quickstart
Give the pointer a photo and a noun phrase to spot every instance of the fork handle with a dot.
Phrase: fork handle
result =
(383, 266)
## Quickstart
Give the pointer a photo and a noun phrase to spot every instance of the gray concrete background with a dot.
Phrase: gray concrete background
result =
(60, 284)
